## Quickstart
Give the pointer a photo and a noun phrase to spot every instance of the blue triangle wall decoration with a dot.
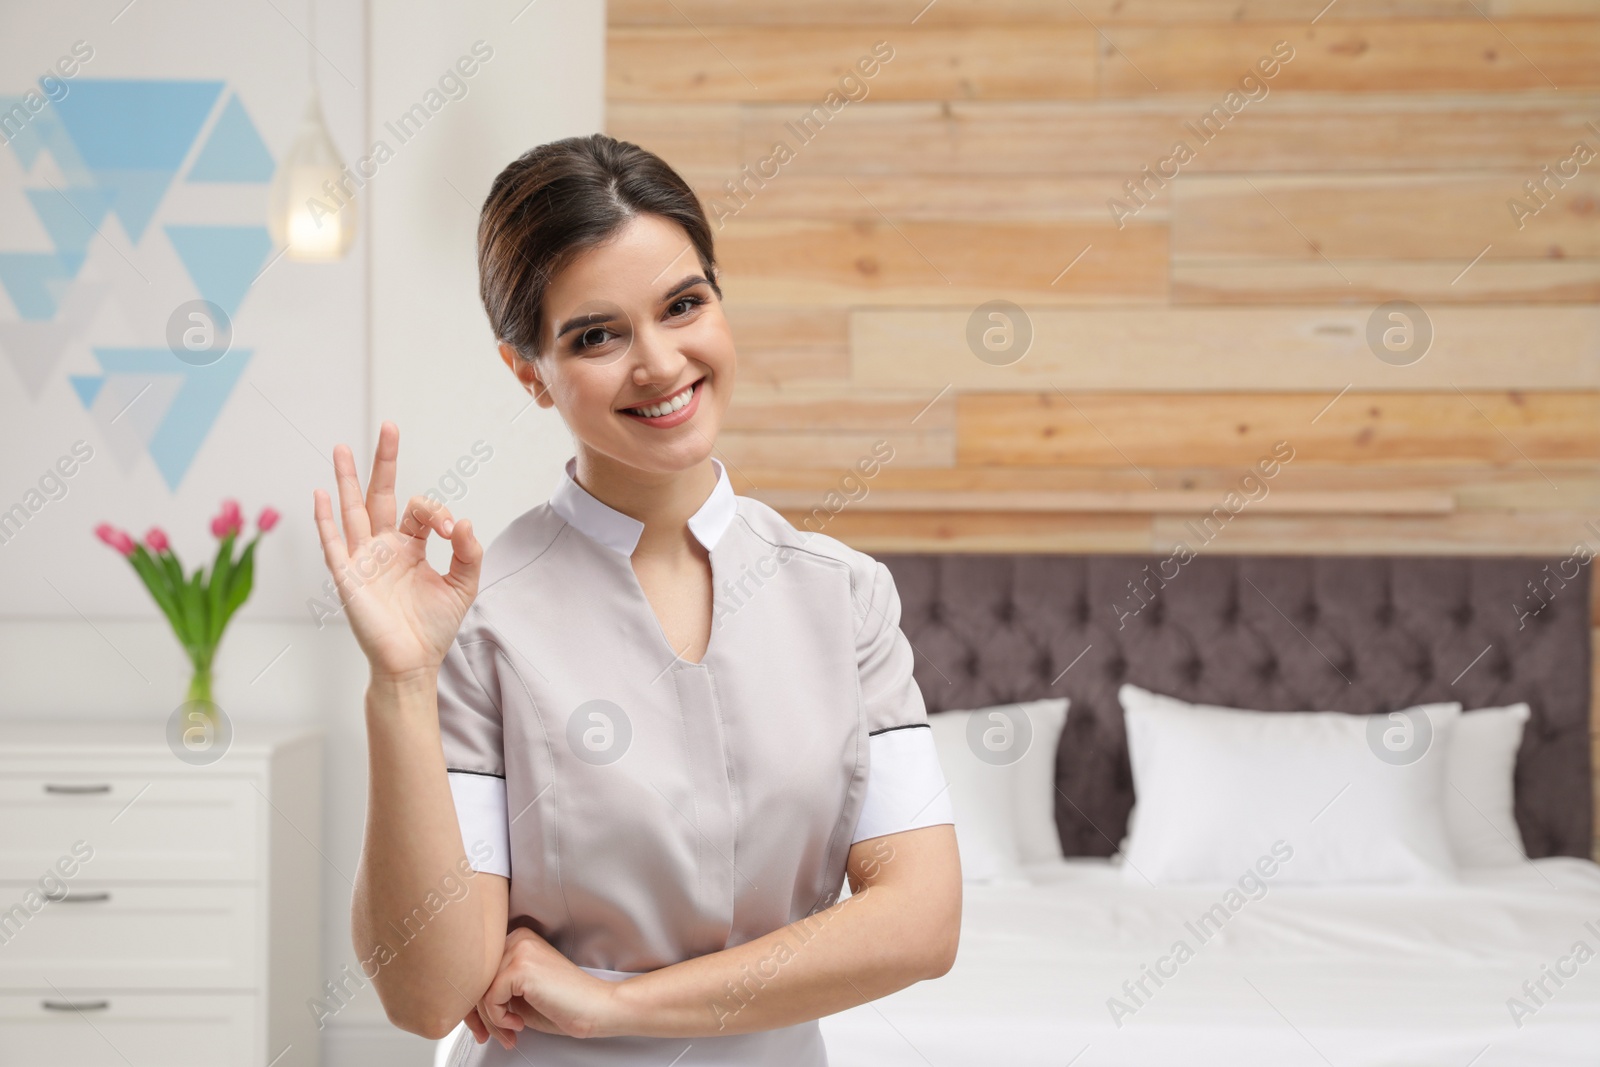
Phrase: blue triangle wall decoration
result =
(234, 152)
(222, 260)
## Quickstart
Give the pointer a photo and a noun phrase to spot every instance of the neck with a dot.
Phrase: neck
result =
(662, 500)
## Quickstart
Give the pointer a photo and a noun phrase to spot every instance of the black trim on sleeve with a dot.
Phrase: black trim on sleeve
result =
(484, 774)
(905, 726)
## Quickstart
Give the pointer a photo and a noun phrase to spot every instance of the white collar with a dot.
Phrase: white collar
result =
(620, 532)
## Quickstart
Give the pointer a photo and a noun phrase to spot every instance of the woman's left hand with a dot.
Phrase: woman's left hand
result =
(538, 988)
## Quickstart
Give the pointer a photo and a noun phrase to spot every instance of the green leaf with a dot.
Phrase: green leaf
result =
(217, 589)
(174, 571)
(156, 580)
(193, 602)
(239, 586)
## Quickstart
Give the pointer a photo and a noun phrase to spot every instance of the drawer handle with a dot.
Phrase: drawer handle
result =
(79, 898)
(75, 790)
(67, 1005)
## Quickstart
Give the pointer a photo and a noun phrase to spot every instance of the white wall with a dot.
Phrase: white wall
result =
(435, 371)
(394, 332)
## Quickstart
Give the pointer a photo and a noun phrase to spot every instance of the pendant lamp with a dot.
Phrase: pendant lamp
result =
(312, 212)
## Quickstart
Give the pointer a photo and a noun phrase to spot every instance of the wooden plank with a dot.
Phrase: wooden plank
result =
(1405, 55)
(885, 62)
(981, 12)
(1179, 501)
(917, 262)
(780, 345)
(1257, 349)
(706, 136)
(1517, 430)
(758, 408)
(1297, 134)
(1573, 491)
(1257, 534)
(1408, 216)
(940, 531)
(1479, 488)
(785, 327)
(1408, 489)
(841, 449)
(745, 193)
(1372, 282)
(1456, 534)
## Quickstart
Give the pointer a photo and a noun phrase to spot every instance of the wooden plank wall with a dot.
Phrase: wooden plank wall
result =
(1184, 308)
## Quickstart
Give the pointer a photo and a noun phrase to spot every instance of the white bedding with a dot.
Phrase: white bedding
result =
(1347, 977)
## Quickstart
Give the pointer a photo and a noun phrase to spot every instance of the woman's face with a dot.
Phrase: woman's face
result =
(635, 322)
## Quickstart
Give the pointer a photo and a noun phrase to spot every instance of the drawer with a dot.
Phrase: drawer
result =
(130, 937)
(130, 1030)
(140, 828)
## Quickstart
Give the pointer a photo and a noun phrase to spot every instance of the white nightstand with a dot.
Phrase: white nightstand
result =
(153, 911)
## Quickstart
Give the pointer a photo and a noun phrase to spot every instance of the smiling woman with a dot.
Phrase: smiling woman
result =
(672, 794)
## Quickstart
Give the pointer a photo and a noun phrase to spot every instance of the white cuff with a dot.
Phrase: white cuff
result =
(485, 828)
(905, 785)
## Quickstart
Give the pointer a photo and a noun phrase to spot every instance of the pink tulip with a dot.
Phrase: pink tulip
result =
(228, 520)
(155, 539)
(117, 539)
(268, 519)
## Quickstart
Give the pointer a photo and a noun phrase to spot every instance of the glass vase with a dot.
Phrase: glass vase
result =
(200, 691)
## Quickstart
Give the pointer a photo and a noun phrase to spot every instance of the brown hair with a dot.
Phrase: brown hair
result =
(561, 199)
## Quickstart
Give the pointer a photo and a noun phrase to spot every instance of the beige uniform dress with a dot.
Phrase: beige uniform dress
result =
(648, 809)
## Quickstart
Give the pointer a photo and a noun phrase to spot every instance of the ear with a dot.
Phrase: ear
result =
(527, 372)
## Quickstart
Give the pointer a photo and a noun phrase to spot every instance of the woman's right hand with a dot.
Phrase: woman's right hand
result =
(403, 613)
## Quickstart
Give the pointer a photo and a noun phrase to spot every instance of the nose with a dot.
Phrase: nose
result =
(656, 361)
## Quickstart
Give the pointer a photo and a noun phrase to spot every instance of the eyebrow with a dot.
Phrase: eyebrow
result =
(594, 317)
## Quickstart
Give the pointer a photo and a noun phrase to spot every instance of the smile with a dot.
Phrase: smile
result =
(666, 408)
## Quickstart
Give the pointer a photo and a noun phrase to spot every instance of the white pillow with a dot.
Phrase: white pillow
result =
(1004, 811)
(1479, 796)
(1218, 786)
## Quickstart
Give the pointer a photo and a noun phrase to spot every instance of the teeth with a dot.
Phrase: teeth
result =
(657, 410)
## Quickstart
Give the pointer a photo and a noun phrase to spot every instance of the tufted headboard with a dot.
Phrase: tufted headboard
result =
(1342, 633)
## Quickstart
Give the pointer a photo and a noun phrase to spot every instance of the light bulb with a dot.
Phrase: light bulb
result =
(312, 211)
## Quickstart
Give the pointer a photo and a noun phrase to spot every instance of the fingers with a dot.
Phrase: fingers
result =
(501, 1034)
(357, 526)
(333, 551)
(423, 513)
(466, 559)
(380, 487)
(532, 1018)
(480, 1033)
(496, 1002)
(492, 1008)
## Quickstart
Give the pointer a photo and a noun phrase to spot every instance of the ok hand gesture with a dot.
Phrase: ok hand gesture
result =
(404, 613)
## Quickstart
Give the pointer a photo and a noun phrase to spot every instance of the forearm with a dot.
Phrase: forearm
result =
(426, 943)
(860, 949)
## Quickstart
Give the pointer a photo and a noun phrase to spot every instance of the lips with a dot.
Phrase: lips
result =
(681, 397)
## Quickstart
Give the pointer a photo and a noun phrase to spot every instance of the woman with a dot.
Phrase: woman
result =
(654, 724)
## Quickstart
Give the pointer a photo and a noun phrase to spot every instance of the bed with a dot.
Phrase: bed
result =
(1340, 975)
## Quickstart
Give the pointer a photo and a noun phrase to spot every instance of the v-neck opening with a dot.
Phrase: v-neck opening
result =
(661, 631)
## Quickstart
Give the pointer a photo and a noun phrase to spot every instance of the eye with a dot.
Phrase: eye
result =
(690, 299)
(584, 342)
